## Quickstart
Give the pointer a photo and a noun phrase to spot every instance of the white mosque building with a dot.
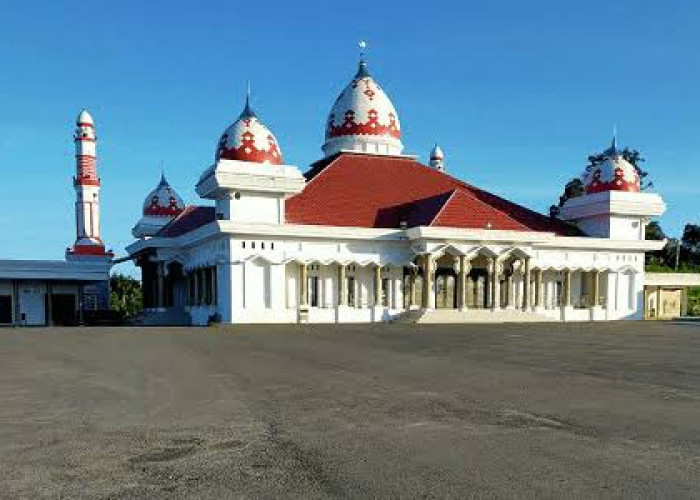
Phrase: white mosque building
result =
(370, 234)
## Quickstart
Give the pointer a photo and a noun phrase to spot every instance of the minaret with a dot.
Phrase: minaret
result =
(437, 158)
(87, 191)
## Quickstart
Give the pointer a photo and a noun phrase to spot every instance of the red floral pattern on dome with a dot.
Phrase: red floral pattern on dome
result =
(157, 209)
(614, 174)
(249, 140)
(163, 201)
(371, 127)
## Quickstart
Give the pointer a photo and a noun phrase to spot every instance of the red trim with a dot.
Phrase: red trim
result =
(94, 250)
(86, 181)
(88, 139)
(85, 124)
(159, 211)
(371, 127)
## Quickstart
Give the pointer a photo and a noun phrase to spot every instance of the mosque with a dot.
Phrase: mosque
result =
(369, 234)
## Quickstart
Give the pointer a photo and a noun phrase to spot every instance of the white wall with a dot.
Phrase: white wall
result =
(253, 207)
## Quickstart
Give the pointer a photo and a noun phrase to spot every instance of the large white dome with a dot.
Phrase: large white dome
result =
(363, 119)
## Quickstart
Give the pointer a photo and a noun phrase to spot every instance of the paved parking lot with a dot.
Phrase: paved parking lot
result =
(607, 410)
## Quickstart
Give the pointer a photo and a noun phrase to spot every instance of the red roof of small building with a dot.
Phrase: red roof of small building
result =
(191, 218)
(362, 190)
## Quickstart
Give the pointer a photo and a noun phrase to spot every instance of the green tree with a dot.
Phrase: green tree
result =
(654, 232)
(690, 244)
(663, 259)
(126, 296)
(681, 255)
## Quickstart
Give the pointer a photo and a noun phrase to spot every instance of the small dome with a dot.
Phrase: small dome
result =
(437, 158)
(614, 173)
(84, 118)
(363, 119)
(163, 201)
(248, 139)
(436, 153)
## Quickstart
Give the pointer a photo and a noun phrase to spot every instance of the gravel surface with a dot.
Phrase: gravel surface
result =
(507, 411)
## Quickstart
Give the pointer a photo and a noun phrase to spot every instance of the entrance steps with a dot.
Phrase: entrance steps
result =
(168, 317)
(470, 316)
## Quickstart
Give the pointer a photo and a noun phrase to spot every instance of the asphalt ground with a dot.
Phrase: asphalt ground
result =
(486, 411)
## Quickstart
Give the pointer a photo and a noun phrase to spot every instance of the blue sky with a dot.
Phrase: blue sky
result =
(516, 93)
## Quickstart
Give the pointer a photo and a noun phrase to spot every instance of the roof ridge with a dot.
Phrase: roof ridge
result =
(507, 215)
(467, 186)
(442, 208)
(314, 165)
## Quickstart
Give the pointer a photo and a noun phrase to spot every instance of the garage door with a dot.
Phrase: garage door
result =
(5, 309)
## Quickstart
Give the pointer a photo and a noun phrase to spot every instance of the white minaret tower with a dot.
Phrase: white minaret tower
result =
(437, 158)
(87, 190)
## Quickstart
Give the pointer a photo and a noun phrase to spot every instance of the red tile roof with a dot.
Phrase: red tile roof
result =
(191, 218)
(361, 190)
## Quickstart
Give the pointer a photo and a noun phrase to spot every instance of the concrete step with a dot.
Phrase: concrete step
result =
(169, 317)
(470, 316)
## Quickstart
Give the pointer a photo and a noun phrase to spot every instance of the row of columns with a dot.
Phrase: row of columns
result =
(156, 290)
(342, 285)
(495, 269)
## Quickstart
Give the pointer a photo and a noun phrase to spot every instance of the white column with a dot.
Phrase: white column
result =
(377, 286)
(539, 289)
(496, 269)
(303, 285)
(527, 277)
(429, 281)
(329, 289)
(426, 292)
(510, 291)
(566, 299)
(463, 281)
(342, 286)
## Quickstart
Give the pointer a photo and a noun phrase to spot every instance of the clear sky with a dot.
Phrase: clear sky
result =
(516, 92)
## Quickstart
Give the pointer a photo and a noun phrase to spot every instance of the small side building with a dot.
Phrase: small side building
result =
(45, 292)
(666, 294)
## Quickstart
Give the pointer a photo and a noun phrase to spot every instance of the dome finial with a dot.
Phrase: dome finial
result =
(163, 180)
(613, 150)
(247, 111)
(362, 71)
(362, 45)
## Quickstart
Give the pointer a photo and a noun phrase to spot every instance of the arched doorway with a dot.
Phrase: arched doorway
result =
(445, 282)
(478, 286)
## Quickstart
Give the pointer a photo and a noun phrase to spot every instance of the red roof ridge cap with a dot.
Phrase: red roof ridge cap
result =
(453, 192)
(320, 172)
(505, 214)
